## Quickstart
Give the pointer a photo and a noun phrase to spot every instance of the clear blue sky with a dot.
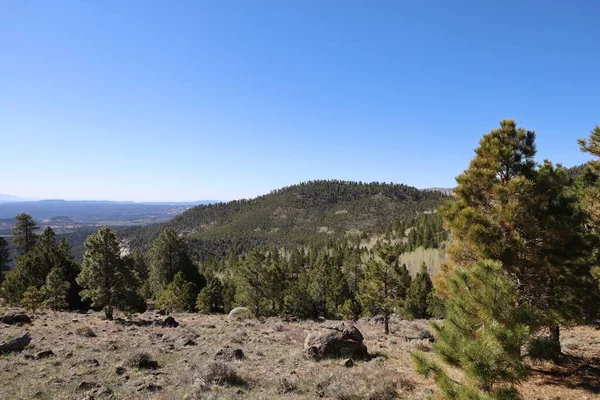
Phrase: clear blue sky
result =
(185, 100)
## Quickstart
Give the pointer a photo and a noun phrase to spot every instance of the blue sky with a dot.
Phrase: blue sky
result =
(185, 100)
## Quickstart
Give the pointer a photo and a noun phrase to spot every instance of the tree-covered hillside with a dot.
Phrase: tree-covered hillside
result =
(305, 213)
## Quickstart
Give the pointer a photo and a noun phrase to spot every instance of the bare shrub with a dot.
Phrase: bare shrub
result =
(219, 373)
(286, 385)
(85, 331)
(141, 360)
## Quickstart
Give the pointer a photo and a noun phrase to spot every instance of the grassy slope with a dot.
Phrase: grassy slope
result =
(274, 366)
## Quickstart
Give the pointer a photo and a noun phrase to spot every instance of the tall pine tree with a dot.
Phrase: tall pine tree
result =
(24, 235)
(105, 278)
(510, 210)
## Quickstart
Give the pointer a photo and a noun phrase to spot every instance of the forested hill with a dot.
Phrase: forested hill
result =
(307, 212)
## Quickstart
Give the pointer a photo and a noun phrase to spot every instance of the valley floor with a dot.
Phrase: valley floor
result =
(273, 367)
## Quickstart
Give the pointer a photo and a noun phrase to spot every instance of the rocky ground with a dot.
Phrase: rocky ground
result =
(82, 356)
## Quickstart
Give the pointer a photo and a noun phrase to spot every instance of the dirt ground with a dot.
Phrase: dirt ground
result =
(96, 359)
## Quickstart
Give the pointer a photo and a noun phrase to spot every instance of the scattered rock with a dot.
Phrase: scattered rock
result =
(183, 342)
(88, 386)
(169, 322)
(336, 342)
(44, 354)
(348, 363)
(240, 313)
(91, 362)
(11, 318)
(149, 388)
(229, 354)
(102, 391)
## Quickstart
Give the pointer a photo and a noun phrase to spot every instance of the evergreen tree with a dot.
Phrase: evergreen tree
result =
(507, 209)
(4, 258)
(419, 295)
(178, 296)
(55, 290)
(277, 282)
(24, 236)
(32, 299)
(591, 191)
(13, 286)
(380, 290)
(168, 256)
(484, 334)
(251, 289)
(106, 280)
(210, 299)
(353, 273)
(141, 270)
(70, 270)
(325, 286)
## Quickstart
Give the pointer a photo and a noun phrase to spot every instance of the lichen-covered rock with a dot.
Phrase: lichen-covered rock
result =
(342, 341)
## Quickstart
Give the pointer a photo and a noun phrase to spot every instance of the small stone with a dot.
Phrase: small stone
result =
(88, 385)
(44, 354)
(348, 363)
(229, 354)
(183, 342)
(91, 363)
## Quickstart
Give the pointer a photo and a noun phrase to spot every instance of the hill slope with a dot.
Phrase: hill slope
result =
(307, 212)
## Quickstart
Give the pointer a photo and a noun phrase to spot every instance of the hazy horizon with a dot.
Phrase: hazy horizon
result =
(154, 102)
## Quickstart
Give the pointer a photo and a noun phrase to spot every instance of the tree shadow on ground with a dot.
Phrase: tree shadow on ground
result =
(573, 372)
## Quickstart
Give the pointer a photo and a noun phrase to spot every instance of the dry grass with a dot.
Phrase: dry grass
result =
(116, 359)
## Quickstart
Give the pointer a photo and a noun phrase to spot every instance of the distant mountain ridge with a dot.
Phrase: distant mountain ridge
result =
(91, 210)
(9, 198)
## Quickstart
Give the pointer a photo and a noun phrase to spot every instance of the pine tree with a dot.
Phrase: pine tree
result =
(510, 210)
(168, 256)
(352, 271)
(70, 270)
(419, 294)
(106, 280)
(484, 334)
(210, 299)
(32, 299)
(24, 236)
(32, 267)
(324, 286)
(591, 191)
(4, 258)
(178, 296)
(56, 290)
(381, 290)
(251, 289)
(277, 282)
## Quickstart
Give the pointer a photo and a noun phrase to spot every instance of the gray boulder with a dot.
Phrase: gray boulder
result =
(336, 342)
